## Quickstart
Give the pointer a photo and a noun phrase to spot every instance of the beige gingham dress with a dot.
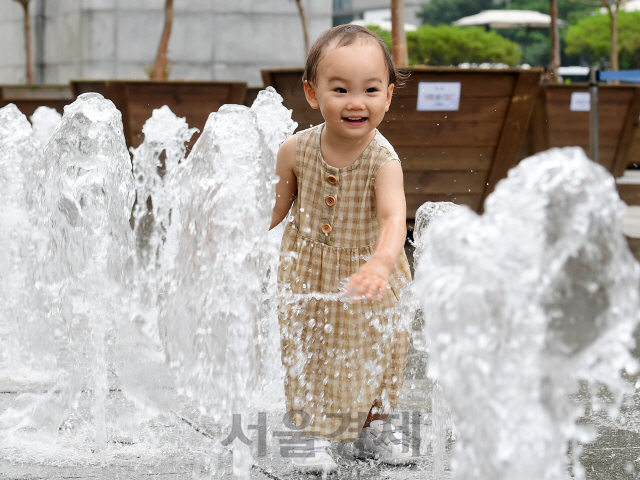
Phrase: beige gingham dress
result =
(341, 357)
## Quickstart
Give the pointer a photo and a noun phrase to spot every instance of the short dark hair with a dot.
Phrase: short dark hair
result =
(344, 35)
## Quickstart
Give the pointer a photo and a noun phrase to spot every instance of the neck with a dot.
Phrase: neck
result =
(341, 152)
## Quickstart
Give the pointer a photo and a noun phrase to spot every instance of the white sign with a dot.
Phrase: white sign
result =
(438, 96)
(580, 102)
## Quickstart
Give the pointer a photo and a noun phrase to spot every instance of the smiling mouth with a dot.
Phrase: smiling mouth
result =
(355, 119)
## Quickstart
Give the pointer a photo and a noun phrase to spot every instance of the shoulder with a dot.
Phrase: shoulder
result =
(306, 143)
(383, 152)
(300, 140)
(288, 147)
(287, 156)
(310, 134)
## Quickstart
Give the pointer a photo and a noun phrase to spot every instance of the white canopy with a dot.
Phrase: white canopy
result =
(508, 19)
(630, 6)
(383, 24)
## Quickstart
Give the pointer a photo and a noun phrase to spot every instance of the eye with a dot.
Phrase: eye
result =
(340, 90)
(372, 90)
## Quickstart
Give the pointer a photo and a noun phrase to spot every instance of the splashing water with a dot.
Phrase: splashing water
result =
(226, 197)
(180, 310)
(155, 229)
(539, 292)
(83, 194)
(45, 120)
(20, 238)
(203, 250)
(441, 421)
(145, 378)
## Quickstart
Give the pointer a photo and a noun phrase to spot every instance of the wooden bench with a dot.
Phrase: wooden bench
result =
(136, 100)
(453, 156)
(29, 97)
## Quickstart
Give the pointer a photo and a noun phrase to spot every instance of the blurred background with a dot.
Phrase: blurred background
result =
(53, 42)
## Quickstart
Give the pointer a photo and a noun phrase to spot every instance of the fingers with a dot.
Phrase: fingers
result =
(360, 287)
(369, 281)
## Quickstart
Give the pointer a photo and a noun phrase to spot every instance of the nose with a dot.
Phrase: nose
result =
(356, 102)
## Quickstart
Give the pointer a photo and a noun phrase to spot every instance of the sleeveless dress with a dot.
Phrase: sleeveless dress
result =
(340, 357)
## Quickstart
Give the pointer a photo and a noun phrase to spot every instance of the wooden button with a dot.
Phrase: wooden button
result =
(332, 179)
(330, 200)
(326, 228)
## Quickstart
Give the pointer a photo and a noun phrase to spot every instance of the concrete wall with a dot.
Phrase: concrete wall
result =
(12, 64)
(210, 40)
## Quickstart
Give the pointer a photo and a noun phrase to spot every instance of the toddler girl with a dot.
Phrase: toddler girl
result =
(344, 358)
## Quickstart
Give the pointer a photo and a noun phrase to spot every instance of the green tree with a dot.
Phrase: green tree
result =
(590, 38)
(447, 11)
(385, 35)
(447, 45)
(535, 44)
(570, 12)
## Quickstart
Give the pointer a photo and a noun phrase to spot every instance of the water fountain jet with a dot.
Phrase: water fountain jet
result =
(539, 292)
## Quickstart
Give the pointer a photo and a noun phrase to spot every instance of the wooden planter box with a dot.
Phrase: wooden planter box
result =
(634, 150)
(454, 156)
(252, 94)
(85, 86)
(554, 124)
(29, 97)
(136, 100)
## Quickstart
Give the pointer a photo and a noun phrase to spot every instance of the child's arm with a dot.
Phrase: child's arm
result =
(372, 278)
(287, 187)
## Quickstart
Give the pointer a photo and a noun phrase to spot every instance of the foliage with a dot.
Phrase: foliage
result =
(447, 45)
(534, 44)
(166, 73)
(569, 12)
(385, 35)
(590, 38)
(447, 11)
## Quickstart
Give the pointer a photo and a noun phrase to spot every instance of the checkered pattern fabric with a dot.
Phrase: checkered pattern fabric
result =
(341, 357)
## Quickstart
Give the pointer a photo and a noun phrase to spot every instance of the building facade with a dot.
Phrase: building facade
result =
(118, 39)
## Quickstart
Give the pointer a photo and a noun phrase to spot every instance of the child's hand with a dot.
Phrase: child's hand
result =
(370, 280)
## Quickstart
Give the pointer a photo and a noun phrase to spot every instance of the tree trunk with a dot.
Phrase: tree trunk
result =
(614, 38)
(554, 37)
(27, 40)
(612, 10)
(160, 71)
(305, 30)
(398, 36)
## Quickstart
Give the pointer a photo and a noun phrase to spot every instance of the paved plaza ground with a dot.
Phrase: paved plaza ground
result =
(177, 448)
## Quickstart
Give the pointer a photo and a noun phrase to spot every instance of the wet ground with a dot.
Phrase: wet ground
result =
(182, 444)
(177, 447)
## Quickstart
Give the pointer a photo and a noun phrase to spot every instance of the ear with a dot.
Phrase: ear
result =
(389, 95)
(310, 94)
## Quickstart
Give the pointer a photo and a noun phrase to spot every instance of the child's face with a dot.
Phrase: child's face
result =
(352, 89)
